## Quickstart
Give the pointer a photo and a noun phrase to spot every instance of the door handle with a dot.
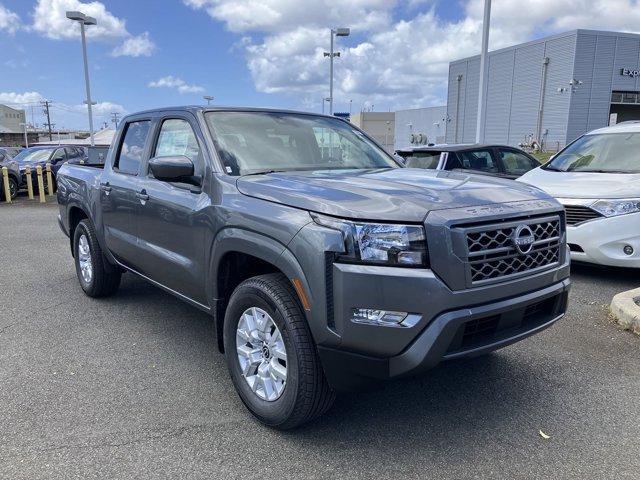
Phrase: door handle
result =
(142, 195)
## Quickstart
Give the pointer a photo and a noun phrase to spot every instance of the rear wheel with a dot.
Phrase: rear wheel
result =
(94, 274)
(13, 187)
(271, 355)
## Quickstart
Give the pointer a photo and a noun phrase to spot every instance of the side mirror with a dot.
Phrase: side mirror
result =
(176, 168)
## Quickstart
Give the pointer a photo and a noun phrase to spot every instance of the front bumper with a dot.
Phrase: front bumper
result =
(465, 332)
(602, 241)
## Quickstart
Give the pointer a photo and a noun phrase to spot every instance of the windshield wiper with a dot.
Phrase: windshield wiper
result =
(263, 172)
(551, 168)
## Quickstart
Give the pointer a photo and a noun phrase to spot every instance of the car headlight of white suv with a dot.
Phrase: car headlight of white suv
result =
(616, 207)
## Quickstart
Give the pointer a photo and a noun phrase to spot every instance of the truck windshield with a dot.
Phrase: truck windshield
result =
(253, 142)
(600, 153)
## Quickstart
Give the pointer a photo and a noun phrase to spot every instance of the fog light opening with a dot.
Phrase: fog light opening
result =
(628, 250)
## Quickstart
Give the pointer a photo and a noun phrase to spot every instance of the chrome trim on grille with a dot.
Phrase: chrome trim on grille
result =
(490, 254)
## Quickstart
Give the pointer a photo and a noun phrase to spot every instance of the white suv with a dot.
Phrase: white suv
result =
(597, 179)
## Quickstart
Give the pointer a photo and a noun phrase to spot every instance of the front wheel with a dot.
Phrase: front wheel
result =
(271, 356)
(94, 274)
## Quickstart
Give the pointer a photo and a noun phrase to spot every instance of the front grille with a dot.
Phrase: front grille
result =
(577, 214)
(492, 253)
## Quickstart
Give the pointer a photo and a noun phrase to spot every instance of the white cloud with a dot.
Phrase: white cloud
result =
(394, 63)
(64, 115)
(176, 83)
(20, 99)
(9, 21)
(279, 15)
(140, 46)
(49, 19)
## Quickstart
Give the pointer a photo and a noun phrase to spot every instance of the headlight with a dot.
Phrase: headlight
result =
(613, 208)
(380, 244)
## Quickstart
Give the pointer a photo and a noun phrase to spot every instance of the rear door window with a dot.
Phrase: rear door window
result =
(480, 160)
(132, 148)
(516, 163)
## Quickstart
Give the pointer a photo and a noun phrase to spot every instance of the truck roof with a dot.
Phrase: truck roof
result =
(204, 108)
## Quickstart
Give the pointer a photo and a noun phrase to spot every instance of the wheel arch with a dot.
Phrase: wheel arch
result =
(238, 254)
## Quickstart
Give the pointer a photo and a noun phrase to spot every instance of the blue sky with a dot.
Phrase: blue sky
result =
(262, 52)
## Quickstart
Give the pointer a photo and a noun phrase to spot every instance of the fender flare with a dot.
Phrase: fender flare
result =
(252, 243)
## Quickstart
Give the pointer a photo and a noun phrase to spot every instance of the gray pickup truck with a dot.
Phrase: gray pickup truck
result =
(325, 263)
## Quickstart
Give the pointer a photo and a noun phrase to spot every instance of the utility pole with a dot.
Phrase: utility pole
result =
(115, 119)
(483, 72)
(46, 113)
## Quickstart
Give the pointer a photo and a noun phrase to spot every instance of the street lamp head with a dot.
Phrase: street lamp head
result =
(81, 17)
(77, 16)
(342, 32)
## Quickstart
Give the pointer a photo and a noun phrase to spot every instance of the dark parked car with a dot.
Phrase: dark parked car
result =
(14, 174)
(41, 155)
(498, 160)
(322, 269)
(11, 151)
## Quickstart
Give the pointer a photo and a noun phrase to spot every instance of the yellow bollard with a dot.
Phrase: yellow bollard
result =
(40, 185)
(5, 181)
(49, 179)
(27, 172)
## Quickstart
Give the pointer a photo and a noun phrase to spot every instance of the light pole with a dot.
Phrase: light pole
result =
(85, 20)
(350, 104)
(338, 32)
(325, 99)
(208, 98)
(483, 72)
(26, 139)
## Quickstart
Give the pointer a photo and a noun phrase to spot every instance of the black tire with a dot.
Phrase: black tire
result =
(306, 394)
(13, 187)
(105, 280)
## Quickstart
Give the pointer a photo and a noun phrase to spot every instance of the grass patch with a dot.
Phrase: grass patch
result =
(543, 157)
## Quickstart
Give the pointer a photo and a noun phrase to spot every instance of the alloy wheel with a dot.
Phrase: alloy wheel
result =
(262, 354)
(84, 259)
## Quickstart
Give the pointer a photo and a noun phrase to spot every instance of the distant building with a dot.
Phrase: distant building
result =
(379, 125)
(11, 132)
(420, 126)
(550, 90)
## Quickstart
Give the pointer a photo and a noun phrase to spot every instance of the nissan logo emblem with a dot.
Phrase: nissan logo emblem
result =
(523, 239)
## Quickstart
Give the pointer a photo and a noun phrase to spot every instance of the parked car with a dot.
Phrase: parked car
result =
(14, 175)
(11, 151)
(497, 160)
(597, 179)
(322, 272)
(41, 155)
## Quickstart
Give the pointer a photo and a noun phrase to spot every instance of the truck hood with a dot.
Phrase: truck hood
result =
(584, 184)
(399, 194)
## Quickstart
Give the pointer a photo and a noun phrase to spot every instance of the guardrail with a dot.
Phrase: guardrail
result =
(39, 180)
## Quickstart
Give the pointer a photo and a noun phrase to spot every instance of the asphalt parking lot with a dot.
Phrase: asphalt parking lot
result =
(133, 386)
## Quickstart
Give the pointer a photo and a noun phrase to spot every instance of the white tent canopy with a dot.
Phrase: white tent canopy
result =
(101, 138)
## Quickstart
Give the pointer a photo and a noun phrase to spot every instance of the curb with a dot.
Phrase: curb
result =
(626, 311)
